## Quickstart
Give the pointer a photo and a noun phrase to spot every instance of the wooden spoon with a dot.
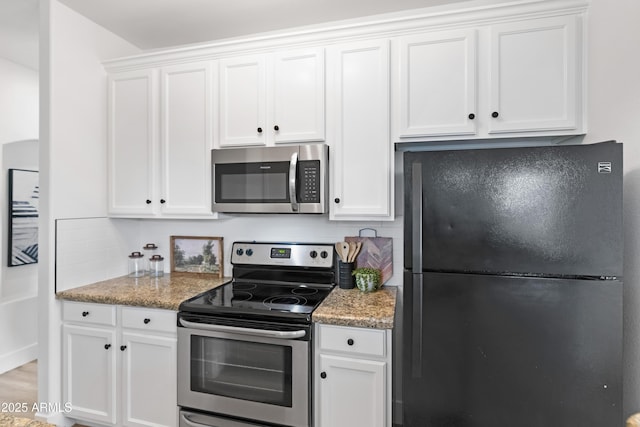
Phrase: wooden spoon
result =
(344, 251)
(352, 251)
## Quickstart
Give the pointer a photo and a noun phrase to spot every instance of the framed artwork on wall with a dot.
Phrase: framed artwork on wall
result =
(197, 255)
(24, 194)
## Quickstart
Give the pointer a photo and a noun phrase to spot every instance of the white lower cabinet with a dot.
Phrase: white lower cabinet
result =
(352, 377)
(119, 364)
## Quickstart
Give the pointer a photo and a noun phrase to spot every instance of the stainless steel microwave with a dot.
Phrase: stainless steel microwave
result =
(289, 179)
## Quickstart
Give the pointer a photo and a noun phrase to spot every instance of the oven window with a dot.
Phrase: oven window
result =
(266, 182)
(241, 370)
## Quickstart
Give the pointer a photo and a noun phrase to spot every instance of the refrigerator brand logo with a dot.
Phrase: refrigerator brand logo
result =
(604, 167)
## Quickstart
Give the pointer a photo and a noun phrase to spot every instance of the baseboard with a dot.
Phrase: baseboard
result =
(55, 418)
(18, 357)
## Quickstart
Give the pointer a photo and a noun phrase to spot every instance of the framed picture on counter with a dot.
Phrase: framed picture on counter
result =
(24, 194)
(197, 255)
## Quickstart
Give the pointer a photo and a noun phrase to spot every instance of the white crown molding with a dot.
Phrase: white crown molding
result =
(388, 25)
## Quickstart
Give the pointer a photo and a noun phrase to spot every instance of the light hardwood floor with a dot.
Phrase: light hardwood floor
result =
(20, 386)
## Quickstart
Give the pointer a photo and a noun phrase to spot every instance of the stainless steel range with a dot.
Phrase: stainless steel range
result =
(244, 348)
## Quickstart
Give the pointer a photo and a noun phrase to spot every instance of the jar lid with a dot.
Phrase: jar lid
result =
(136, 255)
(156, 258)
(150, 246)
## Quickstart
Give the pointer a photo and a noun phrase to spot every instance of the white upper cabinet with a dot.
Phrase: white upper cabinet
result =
(438, 84)
(522, 78)
(186, 139)
(132, 143)
(298, 102)
(358, 117)
(535, 79)
(243, 101)
(160, 142)
(272, 98)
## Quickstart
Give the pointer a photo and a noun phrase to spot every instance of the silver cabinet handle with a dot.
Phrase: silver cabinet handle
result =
(293, 168)
(244, 331)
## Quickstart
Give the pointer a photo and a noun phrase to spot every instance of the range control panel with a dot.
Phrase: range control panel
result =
(287, 254)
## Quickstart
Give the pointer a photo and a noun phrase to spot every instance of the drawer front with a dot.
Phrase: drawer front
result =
(357, 341)
(89, 313)
(149, 319)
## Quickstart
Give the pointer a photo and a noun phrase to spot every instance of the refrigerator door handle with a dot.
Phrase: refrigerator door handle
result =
(417, 282)
(416, 327)
(416, 218)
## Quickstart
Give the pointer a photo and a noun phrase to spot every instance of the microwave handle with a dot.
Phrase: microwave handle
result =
(293, 172)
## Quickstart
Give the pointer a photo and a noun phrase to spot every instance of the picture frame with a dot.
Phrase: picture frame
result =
(24, 195)
(197, 255)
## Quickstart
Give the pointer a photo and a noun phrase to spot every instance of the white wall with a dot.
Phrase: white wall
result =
(18, 285)
(614, 113)
(72, 152)
(18, 102)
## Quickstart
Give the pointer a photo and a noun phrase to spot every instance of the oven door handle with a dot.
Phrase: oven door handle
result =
(244, 331)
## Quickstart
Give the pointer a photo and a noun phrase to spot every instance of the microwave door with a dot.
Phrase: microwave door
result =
(253, 187)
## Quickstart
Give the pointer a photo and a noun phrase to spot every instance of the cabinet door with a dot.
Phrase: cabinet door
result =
(361, 151)
(186, 117)
(243, 101)
(352, 392)
(89, 372)
(534, 79)
(132, 142)
(149, 372)
(438, 84)
(298, 102)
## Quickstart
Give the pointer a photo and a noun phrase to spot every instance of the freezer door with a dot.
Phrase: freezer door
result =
(542, 210)
(505, 351)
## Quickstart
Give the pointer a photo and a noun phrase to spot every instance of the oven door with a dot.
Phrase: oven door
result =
(252, 370)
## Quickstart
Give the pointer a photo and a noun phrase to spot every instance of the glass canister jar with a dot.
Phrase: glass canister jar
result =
(156, 266)
(136, 264)
(150, 249)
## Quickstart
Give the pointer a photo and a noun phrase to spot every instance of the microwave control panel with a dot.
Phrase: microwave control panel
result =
(309, 181)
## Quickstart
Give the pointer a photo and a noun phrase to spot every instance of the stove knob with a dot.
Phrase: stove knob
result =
(239, 251)
(249, 252)
(324, 254)
(313, 254)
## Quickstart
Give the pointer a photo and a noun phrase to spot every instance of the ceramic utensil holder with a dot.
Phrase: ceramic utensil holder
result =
(345, 279)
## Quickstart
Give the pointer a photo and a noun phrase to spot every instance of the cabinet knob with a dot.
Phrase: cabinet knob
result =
(85, 313)
(323, 375)
(123, 347)
(472, 116)
(494, 114)
(163, 201)
(337, 200)
(146, 321)
(350, 341)
(259, 130)
(107, 346)
(148, 201)
(276, 128)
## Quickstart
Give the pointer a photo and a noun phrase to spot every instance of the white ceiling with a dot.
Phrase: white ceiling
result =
(154, 24)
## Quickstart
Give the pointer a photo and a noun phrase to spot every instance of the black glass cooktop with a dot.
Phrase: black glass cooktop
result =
(259, 300)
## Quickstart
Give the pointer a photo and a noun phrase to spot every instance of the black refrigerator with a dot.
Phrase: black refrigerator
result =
(512, 307)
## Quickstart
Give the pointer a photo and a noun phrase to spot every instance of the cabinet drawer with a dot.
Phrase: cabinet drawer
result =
(85, 312)
(370, 342)
(149, 319)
